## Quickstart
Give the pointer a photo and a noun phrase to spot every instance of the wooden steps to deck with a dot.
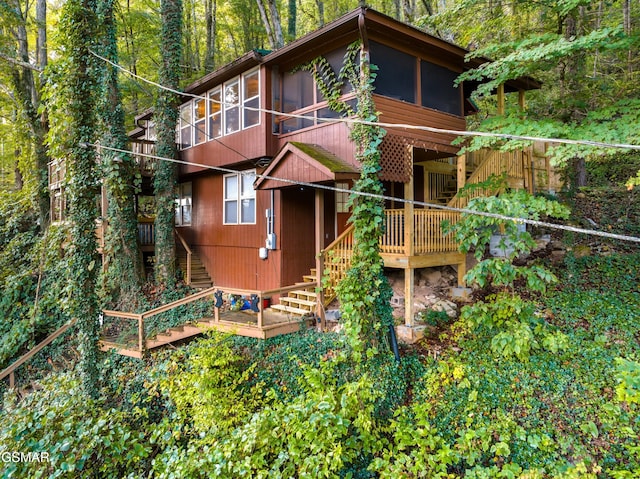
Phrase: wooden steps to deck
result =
(199, 276)
(300, 302)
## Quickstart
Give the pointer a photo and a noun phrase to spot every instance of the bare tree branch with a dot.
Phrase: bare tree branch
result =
(19, 63)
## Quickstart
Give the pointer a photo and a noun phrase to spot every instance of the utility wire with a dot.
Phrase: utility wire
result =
(430, 129)
(546, 224)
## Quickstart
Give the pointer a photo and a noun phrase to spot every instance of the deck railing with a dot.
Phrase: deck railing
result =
(146, 231)
(427, 232)
(130, 330)
(10, 370)
(492, 163)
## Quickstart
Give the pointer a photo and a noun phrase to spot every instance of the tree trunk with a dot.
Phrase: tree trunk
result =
(267, 25)
(212, 23)
(78, 21)
(277, 25)
(320, 5)
(28, 97)
(123, 271)
(166, 116)
(291, 24)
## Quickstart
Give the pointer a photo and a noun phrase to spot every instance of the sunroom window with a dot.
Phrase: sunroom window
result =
(223, 110)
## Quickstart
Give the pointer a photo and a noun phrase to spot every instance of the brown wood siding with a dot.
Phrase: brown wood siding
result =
(227, 150)
(230, 252)
(297, 233)
(333, 137)
(395, 111)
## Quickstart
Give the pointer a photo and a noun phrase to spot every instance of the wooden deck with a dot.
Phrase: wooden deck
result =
(129, 338)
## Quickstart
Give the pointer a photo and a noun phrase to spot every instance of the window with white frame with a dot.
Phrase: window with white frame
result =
(200, 120)
(184, 197)
(226, 109)
(215, 113)
(186, 126)
(239, 198)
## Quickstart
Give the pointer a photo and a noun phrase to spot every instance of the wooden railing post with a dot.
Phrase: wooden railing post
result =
(260, 308)
(141, 336)
(319, 227)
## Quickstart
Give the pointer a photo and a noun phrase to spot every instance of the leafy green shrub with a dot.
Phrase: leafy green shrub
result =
(76, 435)
(508, 317)
(316, 434)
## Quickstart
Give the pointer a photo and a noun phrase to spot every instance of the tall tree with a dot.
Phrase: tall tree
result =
(580, 49)
(271, 20)
(166, 116)
(77, 99)
(122, 269)
(211, 10)
(25, 91)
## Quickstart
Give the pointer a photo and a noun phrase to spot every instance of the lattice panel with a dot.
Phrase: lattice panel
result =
(395, 159)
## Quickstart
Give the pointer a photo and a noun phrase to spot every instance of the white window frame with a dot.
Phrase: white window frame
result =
(183, 125)
(196, 120)
(211, 113)
(246, 100)
(238, 198)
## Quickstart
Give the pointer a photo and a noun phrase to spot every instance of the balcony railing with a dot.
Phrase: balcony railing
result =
(427, 232)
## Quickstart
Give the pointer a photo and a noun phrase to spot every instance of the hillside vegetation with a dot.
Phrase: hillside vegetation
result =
(301, 406)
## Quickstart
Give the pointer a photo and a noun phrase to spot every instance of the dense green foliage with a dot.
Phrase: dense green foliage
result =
(301, 409)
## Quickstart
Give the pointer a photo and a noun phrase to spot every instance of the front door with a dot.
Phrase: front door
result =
(343, 212)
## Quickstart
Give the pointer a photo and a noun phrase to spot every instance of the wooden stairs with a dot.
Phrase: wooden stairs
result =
(200, 278)
(301, 302)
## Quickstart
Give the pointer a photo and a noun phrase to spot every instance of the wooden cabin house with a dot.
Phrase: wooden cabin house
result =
(263, 115)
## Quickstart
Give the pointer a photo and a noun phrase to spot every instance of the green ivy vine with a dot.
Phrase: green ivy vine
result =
(166, 116)
(78, 94)
(122, 271)
(364, 293)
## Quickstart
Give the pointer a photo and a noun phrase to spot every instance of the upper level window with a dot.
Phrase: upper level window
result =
(199, 120)
(438, 90)
(231, 107)
(396, 75)
(215, 113)
(301, 94)
(186, 126)
(239, 198)
(251, 99)
(224, 110)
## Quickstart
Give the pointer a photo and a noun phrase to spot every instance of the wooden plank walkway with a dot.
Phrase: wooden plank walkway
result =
(241, 323)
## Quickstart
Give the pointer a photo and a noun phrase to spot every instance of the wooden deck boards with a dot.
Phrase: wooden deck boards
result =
(241, 323)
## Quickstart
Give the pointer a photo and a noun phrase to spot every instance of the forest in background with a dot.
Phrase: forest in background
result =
(541, 381)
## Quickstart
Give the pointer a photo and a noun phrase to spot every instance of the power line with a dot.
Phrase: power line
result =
(430, 129)
(545, 224)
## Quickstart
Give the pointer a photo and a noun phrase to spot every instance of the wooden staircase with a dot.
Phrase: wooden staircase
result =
(300, 302)
(337, 256)
(200, 278)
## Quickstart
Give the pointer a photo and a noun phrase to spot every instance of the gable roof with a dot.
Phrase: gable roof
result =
(360, 23)
(306, 163)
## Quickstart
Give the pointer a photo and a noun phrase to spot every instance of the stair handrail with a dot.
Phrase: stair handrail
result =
(490, 165)
(336, 274)
(140, 317)
(10, 370)
(189, 254)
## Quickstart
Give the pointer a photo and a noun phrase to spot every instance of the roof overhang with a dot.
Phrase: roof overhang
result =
(306, 163)
(220, 75)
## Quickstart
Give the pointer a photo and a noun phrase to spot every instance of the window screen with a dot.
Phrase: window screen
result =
(438, 91)
(396, 74)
